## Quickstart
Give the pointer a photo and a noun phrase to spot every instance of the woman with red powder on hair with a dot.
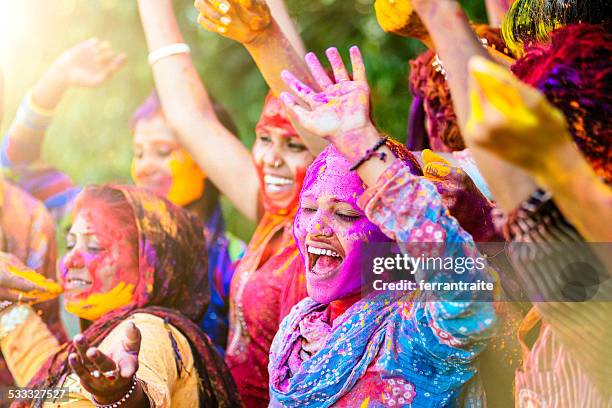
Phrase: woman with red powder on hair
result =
(159, 164)
(263, 184)
(136, 274)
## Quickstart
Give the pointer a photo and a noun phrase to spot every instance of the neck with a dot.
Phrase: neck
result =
(338, 307)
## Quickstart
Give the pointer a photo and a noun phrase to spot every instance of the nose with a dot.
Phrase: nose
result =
(273, 157)
(144, 166)
(319, 226)
(74, 260)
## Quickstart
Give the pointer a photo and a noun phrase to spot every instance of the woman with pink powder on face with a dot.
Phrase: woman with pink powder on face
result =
(338, 348)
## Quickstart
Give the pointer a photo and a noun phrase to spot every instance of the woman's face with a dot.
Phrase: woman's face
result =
(161, 165)
(281, 161)
(332, 232)
(101, 256)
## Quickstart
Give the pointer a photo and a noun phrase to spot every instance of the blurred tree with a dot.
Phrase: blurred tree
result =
(90, 139)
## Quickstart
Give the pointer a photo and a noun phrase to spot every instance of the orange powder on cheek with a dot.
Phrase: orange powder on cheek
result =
(187, 179)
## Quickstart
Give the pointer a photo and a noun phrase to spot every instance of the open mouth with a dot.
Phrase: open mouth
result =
(323, 262)
(277, 183)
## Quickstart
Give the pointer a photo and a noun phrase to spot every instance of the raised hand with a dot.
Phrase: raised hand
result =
(239, 20)
(88, 64)
(511, 119)
(107, 377)
(340, 112)
(399, 17)
(20, 283)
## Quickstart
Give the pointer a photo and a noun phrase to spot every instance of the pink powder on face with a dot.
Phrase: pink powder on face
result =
(327, 184)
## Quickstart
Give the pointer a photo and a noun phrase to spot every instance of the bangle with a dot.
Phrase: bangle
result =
(371, 152)
(33, 116)
(119, 402)
(167, 51)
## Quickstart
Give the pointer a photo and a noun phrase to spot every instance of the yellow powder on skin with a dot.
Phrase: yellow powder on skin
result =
(49, 289)
(187, 179)
(98, 304)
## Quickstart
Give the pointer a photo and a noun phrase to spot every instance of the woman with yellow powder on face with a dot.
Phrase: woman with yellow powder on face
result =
(134, 272)
(159, 164)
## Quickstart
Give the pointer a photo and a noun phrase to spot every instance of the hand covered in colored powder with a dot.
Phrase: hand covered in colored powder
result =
(88, 64)
(340, 113)
(239, 20)
(107, 377)
(512, 119)
(399, 17)
(460, 195)
(20, 283)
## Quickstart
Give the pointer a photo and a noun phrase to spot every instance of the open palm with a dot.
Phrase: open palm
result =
(89, 63)
(341, 107)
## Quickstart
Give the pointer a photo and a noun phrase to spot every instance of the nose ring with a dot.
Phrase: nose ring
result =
(277, 163)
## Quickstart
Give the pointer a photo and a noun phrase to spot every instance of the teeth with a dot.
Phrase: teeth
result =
(79, 282)
(277, 181)
(322, 251)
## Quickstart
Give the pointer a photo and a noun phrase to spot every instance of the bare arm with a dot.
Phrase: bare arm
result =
(281, 15)
(88, 64)
(187, 107)
(517, 123)
(456, 43)
(496, 9)
(251, 24)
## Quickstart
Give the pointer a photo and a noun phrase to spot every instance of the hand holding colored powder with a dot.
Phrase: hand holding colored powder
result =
(399, 17)
(340, 113)
(511, 119)
(20, 283)
(239, 20)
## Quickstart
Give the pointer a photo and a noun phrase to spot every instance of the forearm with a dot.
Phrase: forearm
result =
(25, 136)
(583, 198)
(456, 43)
(281, 15)
(273, 53)
(188, 109)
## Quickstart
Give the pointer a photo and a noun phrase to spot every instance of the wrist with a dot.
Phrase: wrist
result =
(263, 37)
(122, 394)
(355, 143)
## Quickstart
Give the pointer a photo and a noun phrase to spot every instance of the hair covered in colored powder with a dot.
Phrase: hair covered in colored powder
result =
(575, 74)
(532, 21)
(432, 99)
(329, 178)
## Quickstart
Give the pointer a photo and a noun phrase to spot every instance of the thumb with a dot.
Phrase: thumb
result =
(128, 364)
(131, 343)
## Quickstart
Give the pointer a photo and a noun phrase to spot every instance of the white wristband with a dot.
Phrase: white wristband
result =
(167, 51)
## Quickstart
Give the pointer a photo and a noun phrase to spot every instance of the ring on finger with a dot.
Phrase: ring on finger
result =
(95, 374)
(111, 374)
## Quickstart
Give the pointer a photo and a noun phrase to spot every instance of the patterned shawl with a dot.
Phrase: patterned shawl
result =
(173, 285)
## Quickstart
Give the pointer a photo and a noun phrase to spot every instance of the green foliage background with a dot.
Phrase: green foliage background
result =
(90, 139)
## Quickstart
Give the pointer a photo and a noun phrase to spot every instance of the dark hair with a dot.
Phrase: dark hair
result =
(532, 21)
(575, 74)
(152, 106)
(430, 89)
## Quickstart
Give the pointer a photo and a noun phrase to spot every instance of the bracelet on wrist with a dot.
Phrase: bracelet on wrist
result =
(167, 51)
(373, 151)
(121, 400)
(33, 116)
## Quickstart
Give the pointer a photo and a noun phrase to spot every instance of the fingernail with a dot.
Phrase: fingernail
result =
(225, 20)
(222, 30)
(223, 8)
